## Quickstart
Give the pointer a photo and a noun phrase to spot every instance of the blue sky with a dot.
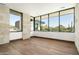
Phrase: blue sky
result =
(13, 19)
(67, 19)
(64, 20)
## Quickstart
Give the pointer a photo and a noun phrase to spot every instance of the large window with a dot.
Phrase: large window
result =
(44, 23)
(15, 21)
(67, 21)
(54, 22)
(37, 23)
(60, 21)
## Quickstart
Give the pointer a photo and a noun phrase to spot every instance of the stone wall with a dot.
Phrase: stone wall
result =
(26, 26)
(4, 24)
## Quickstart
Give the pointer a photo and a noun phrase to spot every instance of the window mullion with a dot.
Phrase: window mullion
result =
(59, 21)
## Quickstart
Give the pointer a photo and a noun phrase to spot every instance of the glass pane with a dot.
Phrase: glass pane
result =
(67, 23)
(15, 22)
(44, 23)
(37, 24)
(54, 22)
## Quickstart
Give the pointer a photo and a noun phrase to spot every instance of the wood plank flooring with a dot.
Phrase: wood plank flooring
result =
(38, 46)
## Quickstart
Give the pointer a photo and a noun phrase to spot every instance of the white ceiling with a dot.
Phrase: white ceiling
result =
(35, 9)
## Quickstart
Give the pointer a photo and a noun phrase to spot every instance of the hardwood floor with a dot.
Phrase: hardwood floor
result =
(38, 46)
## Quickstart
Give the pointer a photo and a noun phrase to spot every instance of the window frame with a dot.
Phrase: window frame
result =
(21, 19)
(59, 20)
(40, 23)
(73, 18)
(47, 22)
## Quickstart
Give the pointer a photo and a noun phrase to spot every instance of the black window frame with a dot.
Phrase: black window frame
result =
(59, 19)
(73, 18)
(47, 24)
(39, 24)
(21, 20)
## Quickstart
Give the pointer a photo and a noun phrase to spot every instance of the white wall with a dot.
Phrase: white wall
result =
(77, 26)
(15, 35)
(56, 35)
